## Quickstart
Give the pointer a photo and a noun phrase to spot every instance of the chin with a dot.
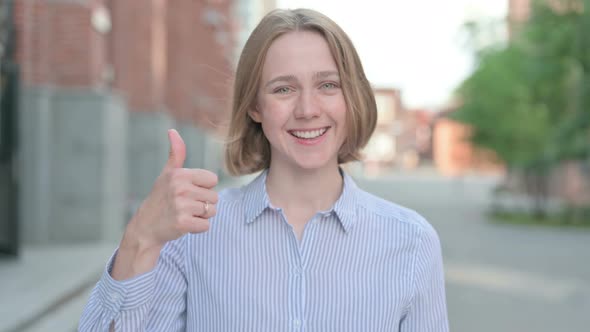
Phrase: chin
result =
(313, 164)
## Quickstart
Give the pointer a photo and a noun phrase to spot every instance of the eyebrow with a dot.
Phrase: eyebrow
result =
(286, 78)
(292, 78)
(324, 74)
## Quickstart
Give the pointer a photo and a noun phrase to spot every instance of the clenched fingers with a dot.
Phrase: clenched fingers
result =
(198, 177)
(205, 210)
(195, 193)
(190, 208)
(203, 178)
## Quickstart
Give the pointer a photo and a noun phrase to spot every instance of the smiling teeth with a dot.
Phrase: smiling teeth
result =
(309, 134)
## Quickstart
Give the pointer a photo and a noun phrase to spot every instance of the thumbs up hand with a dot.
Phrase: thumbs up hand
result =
(181, 201)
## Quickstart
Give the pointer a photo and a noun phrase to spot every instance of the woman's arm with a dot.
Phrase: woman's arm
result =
(144, 284)
(152, 301)
(427, 311)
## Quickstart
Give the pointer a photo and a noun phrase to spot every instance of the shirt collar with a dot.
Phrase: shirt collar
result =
(255, 197)
(345, 206)
(256, 200)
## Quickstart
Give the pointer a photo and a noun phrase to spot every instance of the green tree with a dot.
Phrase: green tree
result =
(529, 100)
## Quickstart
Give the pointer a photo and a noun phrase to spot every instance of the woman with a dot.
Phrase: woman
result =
(299, 248)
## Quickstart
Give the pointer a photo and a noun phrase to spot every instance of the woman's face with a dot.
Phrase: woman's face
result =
(300, 102)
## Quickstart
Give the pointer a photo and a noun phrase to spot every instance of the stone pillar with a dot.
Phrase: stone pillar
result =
(73, 165)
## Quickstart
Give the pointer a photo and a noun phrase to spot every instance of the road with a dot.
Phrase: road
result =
(499, 277)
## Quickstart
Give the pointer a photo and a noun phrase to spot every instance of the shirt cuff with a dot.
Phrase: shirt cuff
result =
(129, 294)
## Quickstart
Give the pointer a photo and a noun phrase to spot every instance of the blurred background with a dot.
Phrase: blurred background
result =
(484, 128)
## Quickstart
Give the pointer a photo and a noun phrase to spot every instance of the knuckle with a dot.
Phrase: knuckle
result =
(178, 189)
(182, 205)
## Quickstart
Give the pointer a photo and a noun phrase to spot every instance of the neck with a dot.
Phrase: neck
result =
(315, 190)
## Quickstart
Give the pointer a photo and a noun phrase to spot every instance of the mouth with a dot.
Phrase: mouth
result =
(309, 134)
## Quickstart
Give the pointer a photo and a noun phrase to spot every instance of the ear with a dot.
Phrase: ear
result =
(255, 114)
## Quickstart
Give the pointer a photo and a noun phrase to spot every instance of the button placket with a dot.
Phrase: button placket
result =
(297, 282)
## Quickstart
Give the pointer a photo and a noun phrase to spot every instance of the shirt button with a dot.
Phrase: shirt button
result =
(297, 323)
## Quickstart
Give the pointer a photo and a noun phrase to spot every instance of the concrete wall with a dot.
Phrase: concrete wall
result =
(76, 143)
(202, 149)
(86, 163)
(147, 151)
(72, 165)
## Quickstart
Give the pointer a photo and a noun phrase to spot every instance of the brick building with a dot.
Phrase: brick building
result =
(101, 82)
(402, 137)
(416, 137)
(171, 55)
(382, 149)
(454, 154)
(518, 12)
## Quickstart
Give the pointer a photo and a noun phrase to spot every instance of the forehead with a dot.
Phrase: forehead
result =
(298, 53)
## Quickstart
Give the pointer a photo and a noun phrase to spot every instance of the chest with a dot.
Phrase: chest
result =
(328, 281)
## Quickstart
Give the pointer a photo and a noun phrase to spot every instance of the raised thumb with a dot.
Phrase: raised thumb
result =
(177, 150)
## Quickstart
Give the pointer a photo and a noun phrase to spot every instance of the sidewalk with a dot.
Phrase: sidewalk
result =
(44, 280)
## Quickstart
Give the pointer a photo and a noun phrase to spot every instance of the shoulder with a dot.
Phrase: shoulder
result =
(390, 211)
(402, 223)
(396, 218)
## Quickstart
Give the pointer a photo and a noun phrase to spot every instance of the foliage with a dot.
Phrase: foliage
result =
(529, 100)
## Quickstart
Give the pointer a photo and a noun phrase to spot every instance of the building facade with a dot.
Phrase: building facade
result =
(101, 82)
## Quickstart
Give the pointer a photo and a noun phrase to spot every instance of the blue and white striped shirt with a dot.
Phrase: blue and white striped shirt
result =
(365, 265)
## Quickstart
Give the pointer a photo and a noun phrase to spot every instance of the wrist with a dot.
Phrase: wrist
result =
(136, 255)
(136, 238)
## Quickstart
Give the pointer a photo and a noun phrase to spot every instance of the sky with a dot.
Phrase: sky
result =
(416, 46)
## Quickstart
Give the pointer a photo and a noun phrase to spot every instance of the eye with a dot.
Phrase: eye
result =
(329, 85)
(282, 90)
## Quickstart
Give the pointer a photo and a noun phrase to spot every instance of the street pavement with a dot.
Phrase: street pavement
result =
(499, 277)
(46, 287)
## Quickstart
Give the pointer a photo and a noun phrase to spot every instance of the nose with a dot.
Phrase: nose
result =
(307, 106)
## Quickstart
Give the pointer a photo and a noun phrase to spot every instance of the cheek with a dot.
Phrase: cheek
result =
(276, 112)
(273, 121)
(337, 110)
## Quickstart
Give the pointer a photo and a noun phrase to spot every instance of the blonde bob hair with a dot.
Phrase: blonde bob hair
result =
(247, 150)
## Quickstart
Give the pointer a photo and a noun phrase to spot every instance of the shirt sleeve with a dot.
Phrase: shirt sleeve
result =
(153, 301)
(427, 311)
